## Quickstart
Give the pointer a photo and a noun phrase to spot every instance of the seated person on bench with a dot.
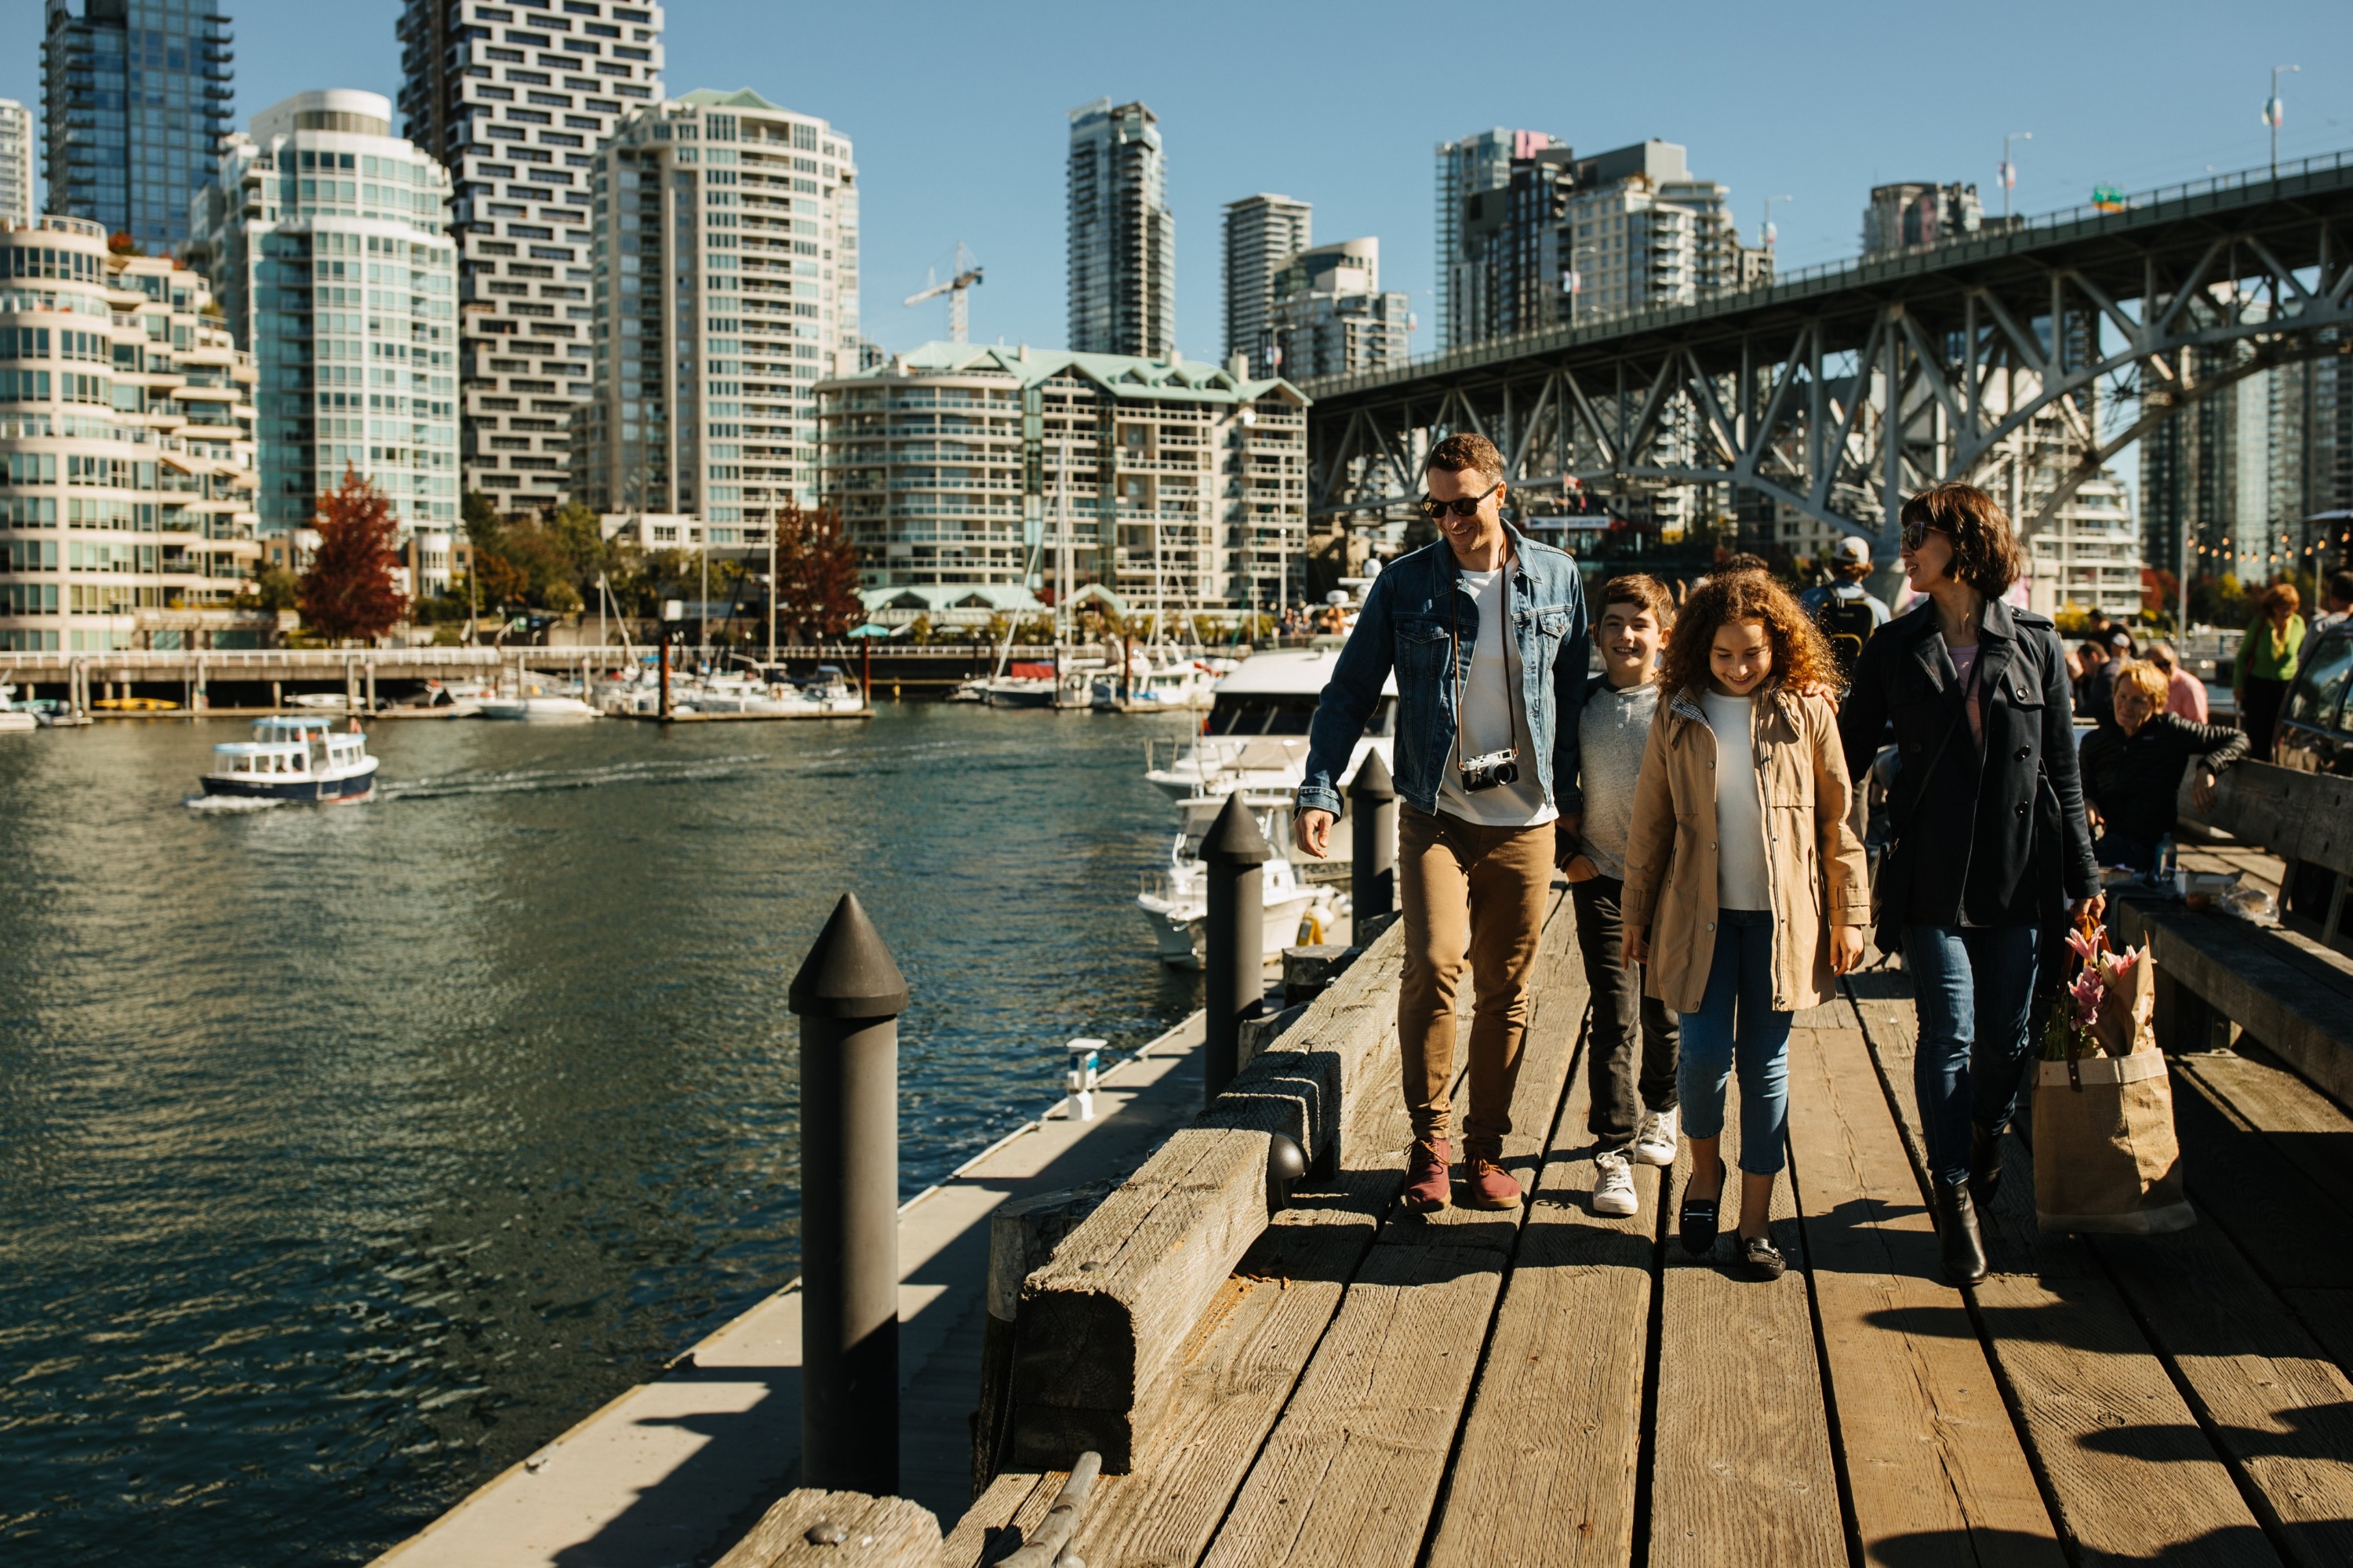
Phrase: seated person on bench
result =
(2132, 771)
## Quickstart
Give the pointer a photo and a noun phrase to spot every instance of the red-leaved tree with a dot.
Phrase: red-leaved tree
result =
(347, 592)
(816, 574)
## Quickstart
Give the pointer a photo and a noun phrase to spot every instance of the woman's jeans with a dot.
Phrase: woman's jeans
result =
(1974, 986)
(1739, 984)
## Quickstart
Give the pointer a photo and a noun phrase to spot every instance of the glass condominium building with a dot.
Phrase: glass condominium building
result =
(727, 290)
(126, 451)
(514, 98)
(325, 239)
(136, 98)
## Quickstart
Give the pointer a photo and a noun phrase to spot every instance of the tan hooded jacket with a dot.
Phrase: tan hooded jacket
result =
(1814, 861)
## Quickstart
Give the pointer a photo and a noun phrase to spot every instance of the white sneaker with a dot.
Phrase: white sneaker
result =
(1613, 1185)
(1656, 1144)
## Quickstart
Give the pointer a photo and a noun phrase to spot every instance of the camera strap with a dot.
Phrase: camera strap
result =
(1454, 634)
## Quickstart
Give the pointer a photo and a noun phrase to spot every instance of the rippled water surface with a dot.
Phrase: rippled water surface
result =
(347, 1156)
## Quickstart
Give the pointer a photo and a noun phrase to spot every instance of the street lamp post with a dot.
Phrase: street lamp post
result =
(2009, 170)
(2275, 112)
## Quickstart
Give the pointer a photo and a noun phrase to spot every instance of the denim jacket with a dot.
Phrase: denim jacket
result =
(1405, 626)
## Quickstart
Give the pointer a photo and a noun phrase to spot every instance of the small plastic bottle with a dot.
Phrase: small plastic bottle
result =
(2167, 859)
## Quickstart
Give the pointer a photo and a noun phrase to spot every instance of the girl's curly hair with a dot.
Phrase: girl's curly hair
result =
(1801, 656)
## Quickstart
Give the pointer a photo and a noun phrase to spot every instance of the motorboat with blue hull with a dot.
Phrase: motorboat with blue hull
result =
(294, 758)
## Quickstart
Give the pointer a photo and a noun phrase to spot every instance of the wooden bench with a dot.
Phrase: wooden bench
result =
(2290, 987)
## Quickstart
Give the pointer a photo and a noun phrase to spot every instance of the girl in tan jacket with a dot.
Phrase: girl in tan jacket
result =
(1745, 889)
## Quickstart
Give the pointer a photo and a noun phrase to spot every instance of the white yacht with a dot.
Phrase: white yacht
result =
(294, 758)
(11, 715)
(1175, 903)
(1256, 735)
(1171, 684)
(535, 703)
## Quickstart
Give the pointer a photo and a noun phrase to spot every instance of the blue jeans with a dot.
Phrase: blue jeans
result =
(1740, 986)
(1974, 986)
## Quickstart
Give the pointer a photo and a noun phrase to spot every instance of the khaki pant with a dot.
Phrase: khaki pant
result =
(1480, 893)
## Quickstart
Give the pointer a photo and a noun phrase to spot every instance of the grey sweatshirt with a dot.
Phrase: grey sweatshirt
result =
(1612, 734)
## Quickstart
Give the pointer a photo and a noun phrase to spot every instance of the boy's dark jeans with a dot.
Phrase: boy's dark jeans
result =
(1621, 1014)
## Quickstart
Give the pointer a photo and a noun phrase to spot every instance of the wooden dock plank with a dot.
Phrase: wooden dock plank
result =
(1000, 1518)
(1545, 1470)
(2241, 1179)
(1353, 1469)
(2105, 1426)
(2279, 1406)
(1742, 1471)
(2307, 1127)
(1238, 1378)
(1935, 1468)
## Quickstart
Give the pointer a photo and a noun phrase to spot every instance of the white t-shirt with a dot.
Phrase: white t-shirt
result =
(1494, 717)
(1742, 881)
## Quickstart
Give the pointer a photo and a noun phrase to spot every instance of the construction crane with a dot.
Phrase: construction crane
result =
(957, 288)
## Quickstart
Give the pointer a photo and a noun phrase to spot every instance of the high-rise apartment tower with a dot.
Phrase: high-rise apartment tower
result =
(16, 163)
(1263, 234)
(1474, 164)
(126, 451)
(514, 99)
(1123, 236)
(726, 271)
(135, 94)
(325, 239)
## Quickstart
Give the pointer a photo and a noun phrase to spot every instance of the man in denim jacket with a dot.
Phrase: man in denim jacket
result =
(1486, 631)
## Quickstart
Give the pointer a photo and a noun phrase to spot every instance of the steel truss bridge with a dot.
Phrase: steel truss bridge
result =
(1837, 391)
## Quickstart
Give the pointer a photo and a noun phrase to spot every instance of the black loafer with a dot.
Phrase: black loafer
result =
(1696, 1219)
(1761, 1260)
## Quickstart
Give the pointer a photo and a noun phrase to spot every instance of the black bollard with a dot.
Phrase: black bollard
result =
(1234, 849)
(1371, 877)
(849, 995)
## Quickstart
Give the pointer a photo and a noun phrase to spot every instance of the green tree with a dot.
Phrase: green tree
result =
(275, 588)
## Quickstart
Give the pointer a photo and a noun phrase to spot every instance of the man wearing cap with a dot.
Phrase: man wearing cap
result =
(1849, 564)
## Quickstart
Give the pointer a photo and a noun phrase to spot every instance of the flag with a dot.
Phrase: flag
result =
(2275, 112)
(2009, 175)
(1771, 234)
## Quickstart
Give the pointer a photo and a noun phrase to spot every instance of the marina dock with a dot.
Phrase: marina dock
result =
(1371, 1387)
(676, 1470)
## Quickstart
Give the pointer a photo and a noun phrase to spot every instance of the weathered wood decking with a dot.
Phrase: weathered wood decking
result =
(1553, 1387)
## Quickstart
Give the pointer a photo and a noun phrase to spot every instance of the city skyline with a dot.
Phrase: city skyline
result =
(1003, 190)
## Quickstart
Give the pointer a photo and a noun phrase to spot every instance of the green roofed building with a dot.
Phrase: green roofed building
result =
(1176, 484)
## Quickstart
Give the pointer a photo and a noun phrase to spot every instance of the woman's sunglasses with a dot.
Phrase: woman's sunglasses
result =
(1462, 505)
(1914, 533)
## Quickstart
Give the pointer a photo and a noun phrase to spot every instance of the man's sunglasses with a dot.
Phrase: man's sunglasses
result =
(1462, 505)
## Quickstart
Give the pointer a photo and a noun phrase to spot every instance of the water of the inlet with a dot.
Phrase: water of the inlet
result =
(349, 1155)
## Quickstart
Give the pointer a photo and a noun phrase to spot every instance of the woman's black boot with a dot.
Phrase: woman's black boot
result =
(1956, 1234)
(1985, 1165)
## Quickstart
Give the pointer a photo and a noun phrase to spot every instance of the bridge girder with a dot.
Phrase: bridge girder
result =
(1836, 396)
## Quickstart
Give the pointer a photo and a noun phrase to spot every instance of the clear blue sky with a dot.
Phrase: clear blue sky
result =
(958, 111)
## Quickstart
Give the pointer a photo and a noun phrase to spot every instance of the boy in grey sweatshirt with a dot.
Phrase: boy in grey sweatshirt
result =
(1633, 1114)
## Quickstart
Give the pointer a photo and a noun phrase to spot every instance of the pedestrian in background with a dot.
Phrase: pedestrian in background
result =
(2185, 694)
(2266, 664)
(2132, 773)
(1630, 1054)
(2336, 604)
(1986, 832)
(1744, 885)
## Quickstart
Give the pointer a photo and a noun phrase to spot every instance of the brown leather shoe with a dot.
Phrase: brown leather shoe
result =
(1426, 1185)
(1487, 1185)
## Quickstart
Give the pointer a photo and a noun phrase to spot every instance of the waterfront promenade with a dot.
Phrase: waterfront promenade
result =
(1552, 1387)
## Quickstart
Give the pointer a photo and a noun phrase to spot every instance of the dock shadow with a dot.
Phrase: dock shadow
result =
(1941, 1548)
(749, 1459)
